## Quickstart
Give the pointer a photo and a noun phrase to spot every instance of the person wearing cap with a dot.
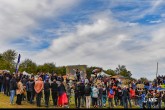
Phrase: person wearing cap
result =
(39, 85)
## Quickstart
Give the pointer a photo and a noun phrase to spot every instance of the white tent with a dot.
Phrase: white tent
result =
(25, 73)
(103, 74)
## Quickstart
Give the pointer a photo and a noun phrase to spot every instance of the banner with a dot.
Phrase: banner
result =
(17, 66)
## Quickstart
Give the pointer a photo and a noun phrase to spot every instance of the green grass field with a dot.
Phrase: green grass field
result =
(5, 103)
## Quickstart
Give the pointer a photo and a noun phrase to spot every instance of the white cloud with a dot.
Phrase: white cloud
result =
(104, 42)
(19, 17)
(156, 21)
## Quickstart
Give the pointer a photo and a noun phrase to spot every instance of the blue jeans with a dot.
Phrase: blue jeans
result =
(31, 96)
(149, 104)
(125, 102)
(12, 94)
(140, 103)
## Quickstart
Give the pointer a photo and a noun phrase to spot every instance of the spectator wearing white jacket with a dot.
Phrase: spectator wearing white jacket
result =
(95, 93)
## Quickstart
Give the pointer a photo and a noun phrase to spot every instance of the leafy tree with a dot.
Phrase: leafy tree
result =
(28, 66)
(47, 67)
(7, 60)
(60, 70)
(110, 72)
(121, 70)
(143, 79)
(9, 55)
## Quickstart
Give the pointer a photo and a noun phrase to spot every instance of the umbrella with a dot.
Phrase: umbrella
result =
(95, 70)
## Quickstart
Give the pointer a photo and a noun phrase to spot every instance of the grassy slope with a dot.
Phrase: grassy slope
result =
(5, 103)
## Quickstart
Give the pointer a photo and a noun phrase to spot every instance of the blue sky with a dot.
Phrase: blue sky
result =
(102, 33)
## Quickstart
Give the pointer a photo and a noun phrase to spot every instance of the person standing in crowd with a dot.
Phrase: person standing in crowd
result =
(62, 98)
(54, 77)
(24, 81)
(95, 93)
(132, 94)
(82, 94)
(4, 82)
(78, 75)
(1, 81)
(68, 92)
(159, 99)
(143, 96)
(116, 96)
(129, 98)
(19, 91)
(77, 95)
(149, 96)
(125, 95)
(120, 96)
(8, 77)
(140, 99)
(111, 94)
(87, 95)
(67, 78)
(31, 90)
(54, 89)
(27, 91)
(13, 87)
(100, 96)
(163, 98)
(104, 96)
(60, 80)
(39, 85)
(47, 92)
(86, 80)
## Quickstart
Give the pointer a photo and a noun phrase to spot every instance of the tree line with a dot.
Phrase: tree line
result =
(9, 57)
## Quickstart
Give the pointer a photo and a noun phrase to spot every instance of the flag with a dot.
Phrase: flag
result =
(17, 66)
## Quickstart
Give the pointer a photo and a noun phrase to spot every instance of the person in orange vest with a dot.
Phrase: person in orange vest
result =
(39, 85)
